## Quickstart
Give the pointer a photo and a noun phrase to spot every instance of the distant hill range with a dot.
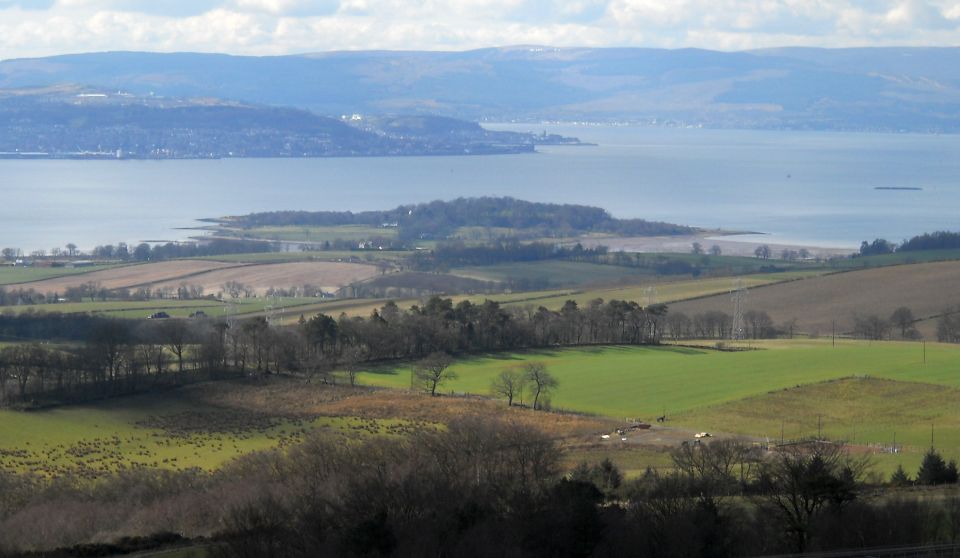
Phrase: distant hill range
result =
(84, 123)
(876, 89)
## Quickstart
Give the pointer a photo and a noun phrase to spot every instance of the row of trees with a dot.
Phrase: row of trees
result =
(95, 291)
(948, 325)
(116, 357)
(764, 252)
(715, 324)
(119, 356)
(875, 327)
(144, 252)
(510, 384)
(940, 240)
(902, 324)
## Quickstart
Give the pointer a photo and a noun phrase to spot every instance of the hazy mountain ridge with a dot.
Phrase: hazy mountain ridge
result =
(68, 121)
(887, 89)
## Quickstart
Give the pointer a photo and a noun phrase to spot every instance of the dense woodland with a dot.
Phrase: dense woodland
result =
(438, 219)
(940, 240)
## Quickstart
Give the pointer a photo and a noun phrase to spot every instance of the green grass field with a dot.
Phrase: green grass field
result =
(860, 410)
(743, 392)
(163, 431)
(12, 275)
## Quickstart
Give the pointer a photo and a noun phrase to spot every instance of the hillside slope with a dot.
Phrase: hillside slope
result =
(82, 122)
(889, 89)
(927, 289)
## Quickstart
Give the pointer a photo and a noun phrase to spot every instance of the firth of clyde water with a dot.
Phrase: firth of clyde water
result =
(798, 187)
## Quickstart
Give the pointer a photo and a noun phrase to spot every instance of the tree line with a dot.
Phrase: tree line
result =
(112, 356)
(715, 324)
(94, 291)
(145, 252)
(101, 356)
(939, 240)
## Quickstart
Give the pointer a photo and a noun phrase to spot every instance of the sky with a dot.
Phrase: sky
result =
(267, 27)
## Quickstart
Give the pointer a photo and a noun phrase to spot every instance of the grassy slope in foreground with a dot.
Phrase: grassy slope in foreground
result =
(645, 381)
(751, 392)
(859, 410)
(168, 431)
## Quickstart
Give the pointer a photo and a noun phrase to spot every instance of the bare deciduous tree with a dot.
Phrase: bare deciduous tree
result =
(903, 318)
(509, 383)
(351, 360)
(762, 252)
(541, 380)
(433, 371)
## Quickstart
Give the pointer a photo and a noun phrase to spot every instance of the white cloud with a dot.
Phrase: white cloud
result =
(289, 7)
(41, 27)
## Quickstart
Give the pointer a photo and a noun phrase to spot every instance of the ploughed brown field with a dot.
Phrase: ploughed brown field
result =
(927, 289)
(211, 276)
(327, 275)
(124, 277)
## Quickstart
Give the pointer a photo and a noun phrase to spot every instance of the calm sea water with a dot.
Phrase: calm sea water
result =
(803, 187)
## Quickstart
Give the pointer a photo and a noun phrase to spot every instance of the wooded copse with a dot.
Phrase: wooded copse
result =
(438, 219)
(122, 356)
(939, 240)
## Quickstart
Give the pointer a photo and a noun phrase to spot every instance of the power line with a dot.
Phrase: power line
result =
(738, 292)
